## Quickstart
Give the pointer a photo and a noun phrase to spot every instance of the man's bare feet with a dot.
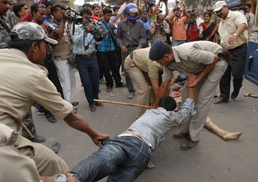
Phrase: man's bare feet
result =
(231, 136)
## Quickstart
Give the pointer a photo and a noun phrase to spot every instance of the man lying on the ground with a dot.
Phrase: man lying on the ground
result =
(126, 156)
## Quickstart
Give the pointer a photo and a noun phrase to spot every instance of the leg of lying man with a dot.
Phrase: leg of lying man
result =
(123, 158)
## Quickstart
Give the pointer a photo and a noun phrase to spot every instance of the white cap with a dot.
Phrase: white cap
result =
(219, 5)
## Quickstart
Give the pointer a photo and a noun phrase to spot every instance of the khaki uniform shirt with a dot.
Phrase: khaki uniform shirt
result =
(15, 167)
(22, 84)
(229, 26)
(142, 61)
(191, 57)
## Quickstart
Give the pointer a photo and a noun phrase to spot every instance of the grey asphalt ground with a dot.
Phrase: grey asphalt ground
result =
(212, 160)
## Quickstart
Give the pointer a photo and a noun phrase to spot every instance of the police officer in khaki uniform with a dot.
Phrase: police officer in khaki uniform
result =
(200, 59)
(144, 73)
(233, 31)
(14, 167)
(24, 82)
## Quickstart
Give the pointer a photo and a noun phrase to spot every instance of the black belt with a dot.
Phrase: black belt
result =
(85, 55)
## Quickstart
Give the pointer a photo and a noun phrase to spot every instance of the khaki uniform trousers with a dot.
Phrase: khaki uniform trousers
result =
(204, 93)
(47, 162)
(15, 167)
(142, 82)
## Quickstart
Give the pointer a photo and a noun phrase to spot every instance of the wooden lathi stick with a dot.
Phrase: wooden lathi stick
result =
(27, 130)
(123, 103)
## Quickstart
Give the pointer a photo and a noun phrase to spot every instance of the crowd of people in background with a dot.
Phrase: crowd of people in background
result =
(105, 43)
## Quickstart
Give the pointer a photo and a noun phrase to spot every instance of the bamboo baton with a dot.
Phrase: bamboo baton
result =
(27, 130)
(123, 103)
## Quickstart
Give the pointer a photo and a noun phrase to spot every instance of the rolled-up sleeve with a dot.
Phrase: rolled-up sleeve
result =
(45, 93)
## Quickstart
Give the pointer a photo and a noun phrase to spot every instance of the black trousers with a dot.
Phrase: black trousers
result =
(236, 68)
(110, 67)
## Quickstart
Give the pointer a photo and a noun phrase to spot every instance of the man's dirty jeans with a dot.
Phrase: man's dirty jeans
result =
(122, 158)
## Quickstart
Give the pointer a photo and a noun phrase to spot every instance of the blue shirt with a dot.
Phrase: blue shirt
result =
(146, 25)
(107, 43)
(84, 43)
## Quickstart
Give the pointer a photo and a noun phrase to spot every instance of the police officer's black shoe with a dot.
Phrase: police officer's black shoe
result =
(38, 139)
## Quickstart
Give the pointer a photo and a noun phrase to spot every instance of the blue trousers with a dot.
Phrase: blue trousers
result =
(122, 158)
(89, 73)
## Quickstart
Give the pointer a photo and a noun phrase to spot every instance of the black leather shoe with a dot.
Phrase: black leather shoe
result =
(75, 103)
(234, 94)
(38, 139)
(93, 108)
(220, 100)
(50, 117)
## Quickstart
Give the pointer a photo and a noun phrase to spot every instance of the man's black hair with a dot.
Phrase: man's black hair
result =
(85, 11)
(106, 11)
(22, 45)
(116, 7)
(36, 6)
(94, 6)
(249, 5)
(207, 13)
(55, 8)
(168, 103)
(18, 7)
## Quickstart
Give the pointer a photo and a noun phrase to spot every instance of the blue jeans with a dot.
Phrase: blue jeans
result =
(89, 73)
(177, 42)
(122, 158)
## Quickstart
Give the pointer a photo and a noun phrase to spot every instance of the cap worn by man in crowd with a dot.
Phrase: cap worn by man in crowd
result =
(30, 31)
(219, 5)
(158, 50)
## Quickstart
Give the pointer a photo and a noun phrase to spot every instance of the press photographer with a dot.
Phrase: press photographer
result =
(62, 52)
(86, 60)
(159, 29)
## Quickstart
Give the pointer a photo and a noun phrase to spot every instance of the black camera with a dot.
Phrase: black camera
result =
(74, 15)
(50, 28)
(96, 32)
(150, 2)
(161, 26)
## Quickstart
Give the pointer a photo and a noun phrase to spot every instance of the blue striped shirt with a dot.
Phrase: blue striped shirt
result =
(107, 43)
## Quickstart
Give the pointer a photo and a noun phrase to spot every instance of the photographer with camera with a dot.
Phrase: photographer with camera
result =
(108, 57)
(159, 29)
(63, 57)
(84, 39)
(177, 22)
